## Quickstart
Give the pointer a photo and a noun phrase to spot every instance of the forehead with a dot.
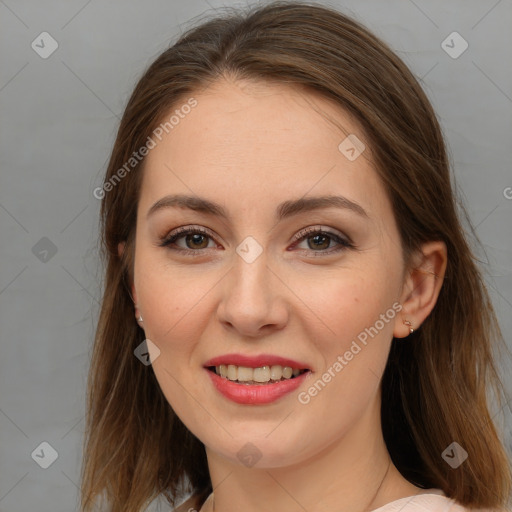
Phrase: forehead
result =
(237, 117)
(247, 140)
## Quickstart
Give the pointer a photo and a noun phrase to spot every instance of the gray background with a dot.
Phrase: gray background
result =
(58, 121)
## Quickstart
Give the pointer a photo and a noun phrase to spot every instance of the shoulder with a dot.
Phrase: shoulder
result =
(190, 505)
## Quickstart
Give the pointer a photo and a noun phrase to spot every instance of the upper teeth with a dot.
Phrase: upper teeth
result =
(261, 374)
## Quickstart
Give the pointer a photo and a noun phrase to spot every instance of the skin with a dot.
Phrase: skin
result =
(249, 146)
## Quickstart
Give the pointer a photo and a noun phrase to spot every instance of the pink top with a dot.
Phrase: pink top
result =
(434, 501)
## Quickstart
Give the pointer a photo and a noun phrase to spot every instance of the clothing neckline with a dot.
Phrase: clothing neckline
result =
(414, 498)
(431, 492)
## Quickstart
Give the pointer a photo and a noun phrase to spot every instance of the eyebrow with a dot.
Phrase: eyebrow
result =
(284, 210)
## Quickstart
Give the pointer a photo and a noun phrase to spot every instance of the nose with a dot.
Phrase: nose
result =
(253, 299)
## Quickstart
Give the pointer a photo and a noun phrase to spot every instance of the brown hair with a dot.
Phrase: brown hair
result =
(434, 386)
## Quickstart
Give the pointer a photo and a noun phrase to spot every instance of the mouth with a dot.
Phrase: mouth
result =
(260, 376)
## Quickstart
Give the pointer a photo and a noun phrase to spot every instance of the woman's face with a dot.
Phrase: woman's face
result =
(276, 276)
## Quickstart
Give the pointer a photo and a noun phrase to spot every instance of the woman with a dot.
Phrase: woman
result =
(282, 245)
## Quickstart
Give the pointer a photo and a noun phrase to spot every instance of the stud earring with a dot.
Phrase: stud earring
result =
(140, 316)
(406, 322)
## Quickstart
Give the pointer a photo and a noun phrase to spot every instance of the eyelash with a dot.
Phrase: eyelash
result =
(303, 234)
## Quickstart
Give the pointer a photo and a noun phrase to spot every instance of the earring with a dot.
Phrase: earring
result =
(140, 316)
(411, 330)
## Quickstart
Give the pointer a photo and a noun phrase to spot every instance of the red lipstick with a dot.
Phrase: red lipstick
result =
(255, 394)
(255, 361)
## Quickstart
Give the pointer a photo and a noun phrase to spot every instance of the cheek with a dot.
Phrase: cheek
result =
(174, 311)
(172, 304)
(359, 314)
(351, 301)
(356, 309)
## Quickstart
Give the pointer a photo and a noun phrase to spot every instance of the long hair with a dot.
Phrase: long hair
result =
(434, 388)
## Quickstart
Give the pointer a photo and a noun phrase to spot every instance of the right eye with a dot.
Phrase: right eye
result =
(195, 239)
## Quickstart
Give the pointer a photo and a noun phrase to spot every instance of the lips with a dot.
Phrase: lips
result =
(255, 361)
(258, 394)
(251, 392)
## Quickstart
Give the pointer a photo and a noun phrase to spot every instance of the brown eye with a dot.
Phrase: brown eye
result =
(196, 241)
(321, 242)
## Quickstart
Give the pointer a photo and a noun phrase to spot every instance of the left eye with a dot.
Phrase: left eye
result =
(319, 241)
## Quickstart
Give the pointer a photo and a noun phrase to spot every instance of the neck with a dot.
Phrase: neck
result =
(354, 473)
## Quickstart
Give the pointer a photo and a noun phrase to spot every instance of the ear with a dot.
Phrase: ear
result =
(120, 251)
(421, 287)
